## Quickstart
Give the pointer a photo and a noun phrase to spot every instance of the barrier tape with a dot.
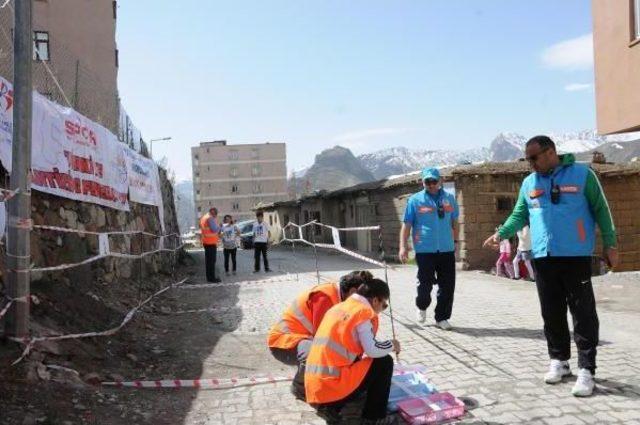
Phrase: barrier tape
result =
(11, 301)
(100, 256)
(203, 383)
(244, 282)
(30, 342)
(89, 232)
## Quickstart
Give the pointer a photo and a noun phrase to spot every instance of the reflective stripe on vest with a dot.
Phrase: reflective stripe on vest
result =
(322, 370)
(338, 348)
(296, 323)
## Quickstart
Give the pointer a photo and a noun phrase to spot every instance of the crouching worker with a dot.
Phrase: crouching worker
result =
(346, 361)
(290, 338)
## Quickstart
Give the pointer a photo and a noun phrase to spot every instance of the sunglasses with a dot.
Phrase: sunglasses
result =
(534, 158)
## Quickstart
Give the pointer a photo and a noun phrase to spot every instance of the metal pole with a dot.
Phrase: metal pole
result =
(315, 251)
(386, 279)
(19, 223)
(295, 259)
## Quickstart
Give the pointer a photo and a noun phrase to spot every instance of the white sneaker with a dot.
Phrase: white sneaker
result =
(421, 315)
(444, 325)
(584, 385)
(558, 369)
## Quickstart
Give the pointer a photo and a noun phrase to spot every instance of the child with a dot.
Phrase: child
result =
(504, 260)
(523, 254)
(230, 233)
(260, 242)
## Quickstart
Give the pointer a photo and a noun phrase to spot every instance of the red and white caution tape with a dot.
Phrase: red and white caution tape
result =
(30, 342)
(203, 384)
(11, 301)
(89, 232)
(6, 194)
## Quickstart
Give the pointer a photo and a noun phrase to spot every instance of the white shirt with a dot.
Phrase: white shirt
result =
(260, 232)
(229, 236)
(524, 239)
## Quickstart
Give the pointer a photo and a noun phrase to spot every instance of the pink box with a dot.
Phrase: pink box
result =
(430, 410)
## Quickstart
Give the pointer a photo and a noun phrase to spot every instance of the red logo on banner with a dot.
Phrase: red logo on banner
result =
(77, 129)
(6, 96)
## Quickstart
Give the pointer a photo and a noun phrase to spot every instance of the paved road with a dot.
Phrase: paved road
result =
(496, 355)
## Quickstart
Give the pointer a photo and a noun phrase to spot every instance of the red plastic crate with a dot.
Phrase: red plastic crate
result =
(433, 409)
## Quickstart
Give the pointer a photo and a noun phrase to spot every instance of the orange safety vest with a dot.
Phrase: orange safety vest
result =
(335, 367)
(208, 236)
(297, 321)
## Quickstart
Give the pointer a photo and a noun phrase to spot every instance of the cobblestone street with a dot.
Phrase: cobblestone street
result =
(496, 354)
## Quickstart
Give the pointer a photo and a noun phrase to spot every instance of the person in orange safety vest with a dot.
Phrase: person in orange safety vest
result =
(210, 231)
(346, 360)
(290, 339)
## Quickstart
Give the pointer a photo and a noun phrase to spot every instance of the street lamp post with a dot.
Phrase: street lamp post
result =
(156, 140)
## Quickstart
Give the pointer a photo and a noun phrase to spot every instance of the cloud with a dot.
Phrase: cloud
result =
(361, 135)
(573, 54)
(577, 87)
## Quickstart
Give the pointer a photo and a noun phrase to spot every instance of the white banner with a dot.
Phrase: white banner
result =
(144, 181)
(72, 156)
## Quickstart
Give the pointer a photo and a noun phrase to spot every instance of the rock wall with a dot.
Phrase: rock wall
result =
(52, 248)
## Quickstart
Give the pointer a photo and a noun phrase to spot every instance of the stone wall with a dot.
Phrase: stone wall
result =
(51, 248)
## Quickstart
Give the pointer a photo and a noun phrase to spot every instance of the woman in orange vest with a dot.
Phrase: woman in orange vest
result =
(210, 231)
(290, 339)
(346, 360)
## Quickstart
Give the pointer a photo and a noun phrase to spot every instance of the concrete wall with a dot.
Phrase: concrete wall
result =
(617, 65)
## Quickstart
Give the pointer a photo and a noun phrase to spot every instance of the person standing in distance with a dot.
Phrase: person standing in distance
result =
(261, 235)
(209, 231)
(562, 201)
(431, 216)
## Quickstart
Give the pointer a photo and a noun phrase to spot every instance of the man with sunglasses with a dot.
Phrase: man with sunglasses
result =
(563, 201)
(431, 216)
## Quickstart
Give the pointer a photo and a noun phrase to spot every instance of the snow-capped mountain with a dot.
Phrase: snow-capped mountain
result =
(401, 160)
(506, 146)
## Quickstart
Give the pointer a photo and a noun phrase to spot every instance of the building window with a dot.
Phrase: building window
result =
(41, 46)
(504, 203)
(285, 218)
(255, 170)
(270, 220)
(199, 208)
(117, 58)
(257, 188)
(234, 188)
(233, 172)
(114, 4)
(636, 19)
(234, 155)
(255, 153)
(317, 230)
(195, 157)
(235, 206)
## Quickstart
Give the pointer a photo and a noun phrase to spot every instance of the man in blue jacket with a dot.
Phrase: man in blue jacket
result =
(563, 201)
(431, 217)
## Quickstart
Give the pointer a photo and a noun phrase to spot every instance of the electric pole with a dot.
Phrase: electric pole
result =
(19, 220)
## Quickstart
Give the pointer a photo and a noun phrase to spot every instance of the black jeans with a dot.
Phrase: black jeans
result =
(210, 257)
(377, 384)
(566, 282)
(436, 269)
(290, 357)
(260, 248)
(229, 253)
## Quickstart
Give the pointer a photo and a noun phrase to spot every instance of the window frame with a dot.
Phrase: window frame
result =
(635, 20)
(37, 42)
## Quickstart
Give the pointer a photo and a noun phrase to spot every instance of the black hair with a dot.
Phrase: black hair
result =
(225, 217)
(259, 213)
(214, 209)
(374, 288)
(353, 280)
(544, 142)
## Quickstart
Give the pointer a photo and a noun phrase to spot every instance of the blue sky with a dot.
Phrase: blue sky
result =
(433, 74)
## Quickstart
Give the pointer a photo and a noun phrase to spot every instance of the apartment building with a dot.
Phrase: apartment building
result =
(75, 48)
(236, 178)
(616, 41)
